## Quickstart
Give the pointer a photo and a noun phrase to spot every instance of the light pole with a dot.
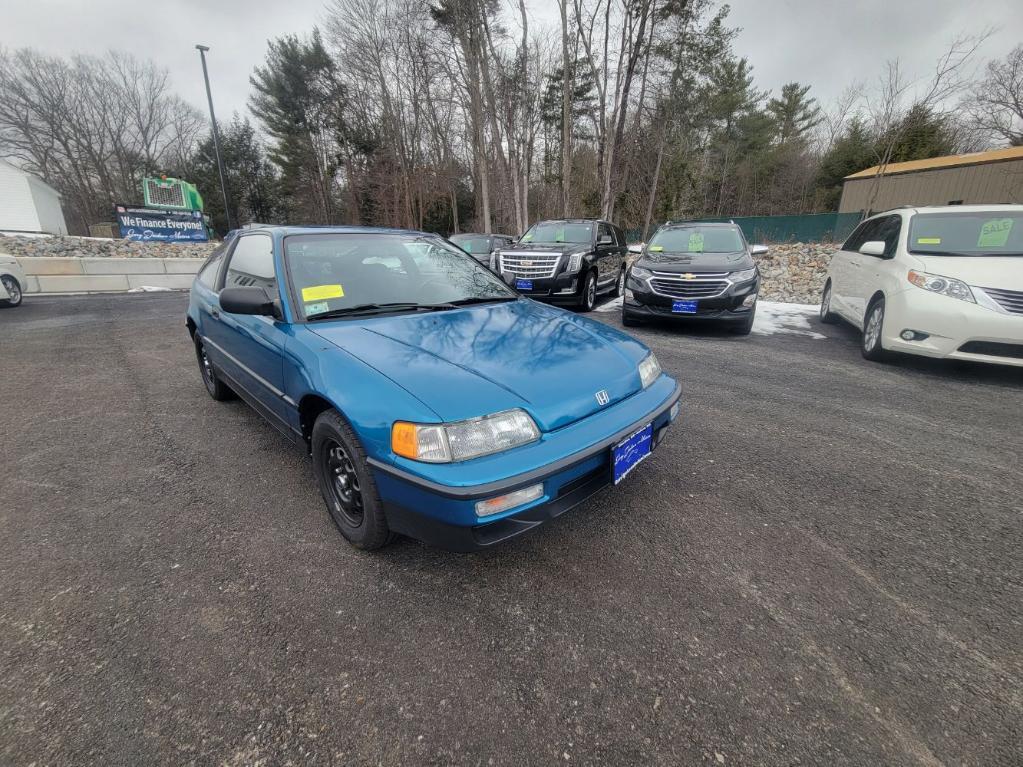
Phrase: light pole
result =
(216, 134)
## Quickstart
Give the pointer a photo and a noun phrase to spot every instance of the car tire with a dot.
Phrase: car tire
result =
(13, 290)
(746, 327)
(216, 388)
(827, 316)
(873, 329)
(619, 288)
(346, 483)
(588, 299)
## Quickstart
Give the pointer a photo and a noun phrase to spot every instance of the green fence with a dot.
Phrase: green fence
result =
(813, 227)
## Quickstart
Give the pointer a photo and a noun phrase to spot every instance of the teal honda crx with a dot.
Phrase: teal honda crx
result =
(434, 400)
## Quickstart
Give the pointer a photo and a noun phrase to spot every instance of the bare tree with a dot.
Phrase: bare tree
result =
(997, 107)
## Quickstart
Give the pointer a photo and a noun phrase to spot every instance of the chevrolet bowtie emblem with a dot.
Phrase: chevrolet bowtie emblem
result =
(688, 276)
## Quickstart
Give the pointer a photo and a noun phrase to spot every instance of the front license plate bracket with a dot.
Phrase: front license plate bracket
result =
(630, 452)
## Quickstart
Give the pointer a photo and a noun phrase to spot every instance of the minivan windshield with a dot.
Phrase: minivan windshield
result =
(987, 233)
(377, 273)
(557, 232)
(696, 239)
(472, 243)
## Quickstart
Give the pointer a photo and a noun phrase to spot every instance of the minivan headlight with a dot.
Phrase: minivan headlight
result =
(946, 286)
(462, 440)
(649, 370)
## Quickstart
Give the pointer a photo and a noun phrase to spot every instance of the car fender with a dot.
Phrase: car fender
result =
(368, 399)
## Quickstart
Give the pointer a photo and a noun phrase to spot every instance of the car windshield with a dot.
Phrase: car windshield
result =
(331, 273)
(471, 243)
(557, 232)
(696, 239)
(988, 233)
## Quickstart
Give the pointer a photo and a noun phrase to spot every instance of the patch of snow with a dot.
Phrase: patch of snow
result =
(613, 305)
(794, 319)
(150, 289)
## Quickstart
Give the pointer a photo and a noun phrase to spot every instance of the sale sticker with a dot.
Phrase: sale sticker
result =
(322, 293)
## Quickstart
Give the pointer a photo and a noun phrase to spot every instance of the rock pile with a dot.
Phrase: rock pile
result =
(96, 247)
(795, 272)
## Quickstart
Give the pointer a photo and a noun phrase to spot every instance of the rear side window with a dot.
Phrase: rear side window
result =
(252, 264)
(208, 273)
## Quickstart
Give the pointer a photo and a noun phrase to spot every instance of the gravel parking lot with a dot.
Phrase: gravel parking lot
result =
(821, 565)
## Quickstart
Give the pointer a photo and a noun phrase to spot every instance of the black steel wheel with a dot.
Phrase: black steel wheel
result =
(217, 389)
(346, 494)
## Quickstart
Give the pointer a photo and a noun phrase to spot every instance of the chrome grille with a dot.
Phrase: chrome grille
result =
(529, 265)
(1010, 300)
(703, 285)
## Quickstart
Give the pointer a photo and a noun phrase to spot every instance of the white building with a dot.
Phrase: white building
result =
(27, 204)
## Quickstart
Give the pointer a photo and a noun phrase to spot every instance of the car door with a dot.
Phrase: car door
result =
(623, 249)
(606, 254)
(205, 287)
(250, 348)
(865, 276)
(841, 270)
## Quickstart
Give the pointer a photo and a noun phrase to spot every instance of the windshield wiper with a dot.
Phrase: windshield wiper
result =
(482, 300)
(397, 306)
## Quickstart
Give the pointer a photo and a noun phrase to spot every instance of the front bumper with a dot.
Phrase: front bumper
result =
(437, 503)
(559, 289)
(951, 325)
(728, 307)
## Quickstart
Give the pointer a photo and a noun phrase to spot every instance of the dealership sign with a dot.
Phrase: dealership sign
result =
(156, 224)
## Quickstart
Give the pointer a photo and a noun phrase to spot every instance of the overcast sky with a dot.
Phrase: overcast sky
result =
(824, 43)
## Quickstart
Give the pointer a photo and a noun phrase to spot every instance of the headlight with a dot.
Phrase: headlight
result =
(462, 440)
(744, 276)
(575, 261)
(640, 273)
(649, 370)
(946, 286)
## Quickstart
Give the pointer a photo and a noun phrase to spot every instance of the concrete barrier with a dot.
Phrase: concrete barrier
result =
(107, 275)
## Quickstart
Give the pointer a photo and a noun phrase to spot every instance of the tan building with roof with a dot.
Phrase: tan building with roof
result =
(961, 179)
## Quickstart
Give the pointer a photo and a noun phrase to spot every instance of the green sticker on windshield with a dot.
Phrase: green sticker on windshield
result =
(696, 242)
(995, 233)
(656, 248)
(560, 235)
(318, 308)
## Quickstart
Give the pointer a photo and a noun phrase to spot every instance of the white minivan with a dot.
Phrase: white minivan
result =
(936, 281)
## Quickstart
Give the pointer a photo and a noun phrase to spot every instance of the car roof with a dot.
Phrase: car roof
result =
(333, 229)
(990, 207)
(711, 224)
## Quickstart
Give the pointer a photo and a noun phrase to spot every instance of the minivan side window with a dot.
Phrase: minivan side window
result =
(208, 273)
(863, 233)
(252, 264)
(888, 231)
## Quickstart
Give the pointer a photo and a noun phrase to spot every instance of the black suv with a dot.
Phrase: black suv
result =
(566, 261)
(695, 271)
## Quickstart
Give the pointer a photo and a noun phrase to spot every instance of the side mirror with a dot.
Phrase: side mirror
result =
(758, 250)
(872, 248)
(247, 301)
(636, 248)
(605, 240)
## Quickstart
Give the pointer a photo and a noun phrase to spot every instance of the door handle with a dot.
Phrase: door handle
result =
(216, 314)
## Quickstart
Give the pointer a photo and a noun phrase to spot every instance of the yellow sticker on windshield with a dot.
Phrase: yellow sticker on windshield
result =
(928, 241)
(322, 293)
(655, 248)
(995, 233)
(696, 242)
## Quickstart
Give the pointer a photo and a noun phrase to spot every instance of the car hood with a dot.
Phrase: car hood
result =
(1004, 272)
(471, 362)
(695, 262)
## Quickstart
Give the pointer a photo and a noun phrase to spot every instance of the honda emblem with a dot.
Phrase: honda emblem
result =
(602, 397)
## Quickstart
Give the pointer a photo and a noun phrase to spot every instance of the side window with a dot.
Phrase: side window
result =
(888, 231)
(604, 230)
(860, 235)
(252, 264)
(208, 273)
(619, 236)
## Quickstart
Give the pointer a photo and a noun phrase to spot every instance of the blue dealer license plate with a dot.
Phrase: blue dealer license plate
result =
(683, 307)
(523, 284)
(628, 453)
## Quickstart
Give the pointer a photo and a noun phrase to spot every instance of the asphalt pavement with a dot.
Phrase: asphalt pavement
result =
(821, 564)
